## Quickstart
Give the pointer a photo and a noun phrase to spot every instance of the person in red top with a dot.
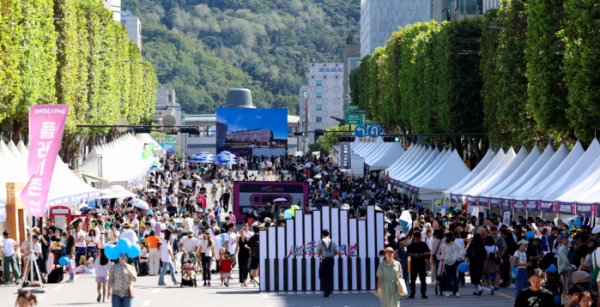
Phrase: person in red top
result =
(225, 264)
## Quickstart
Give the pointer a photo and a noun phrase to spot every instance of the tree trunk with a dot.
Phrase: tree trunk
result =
(17, 128)
(92, 141)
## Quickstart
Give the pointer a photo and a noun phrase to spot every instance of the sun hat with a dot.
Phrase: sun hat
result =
(523, 241)
(388, 249)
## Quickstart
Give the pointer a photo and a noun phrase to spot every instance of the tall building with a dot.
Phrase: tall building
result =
(166, 104)
(351, 61)
(443, 10)
(115, 7)
(380, 18)
(134, 28)
(325, 101)
(303, 119)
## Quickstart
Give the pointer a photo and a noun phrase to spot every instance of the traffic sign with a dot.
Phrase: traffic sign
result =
(360, 131)
(352, 107)
(374, 131)
(354, 119)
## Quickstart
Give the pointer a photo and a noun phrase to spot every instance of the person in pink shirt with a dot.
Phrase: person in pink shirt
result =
(201, 201)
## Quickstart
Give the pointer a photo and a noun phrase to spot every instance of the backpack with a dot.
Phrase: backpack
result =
(328, 252)
(56, 275)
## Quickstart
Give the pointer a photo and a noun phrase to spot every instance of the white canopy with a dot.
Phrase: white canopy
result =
(524, 178)
(409, 153)
(439, 161)
(367, 149)
(146, 138)
(510, 163)
(424, 166)
(533, 192)
(411, 161)
(377, 153)
(485, 173)
(372, 151)
(516, 174)
(409, 167)
(65, 187)
(393, 152)
(489, 156)
(118, 161)
(453, 170)
(587, 165)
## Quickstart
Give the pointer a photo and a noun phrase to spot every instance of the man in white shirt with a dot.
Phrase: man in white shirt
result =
(9, 247)
(129, 234)
(188, 245)
(231, 241)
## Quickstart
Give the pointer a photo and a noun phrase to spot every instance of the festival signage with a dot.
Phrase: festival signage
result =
(289, 260)
(345, 156)
(518, 205)
(585, 210)
(567, 208)
(483, 202)
(495, 203)
(455, 198)
(46, 126)
(533, 206)
(548, 206)
(506, 204)
(471, 201)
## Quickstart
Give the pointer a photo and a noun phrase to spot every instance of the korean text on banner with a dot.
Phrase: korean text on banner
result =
(46, 126)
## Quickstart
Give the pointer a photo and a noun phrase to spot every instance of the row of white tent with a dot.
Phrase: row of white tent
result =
(120, 162)
(65, 188)
(552, 182)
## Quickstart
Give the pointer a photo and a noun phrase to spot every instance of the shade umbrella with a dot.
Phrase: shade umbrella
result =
(280, 199)
(139, 203)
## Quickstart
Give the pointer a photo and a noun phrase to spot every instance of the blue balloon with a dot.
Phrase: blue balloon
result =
(457, 208)
(557, 299)
(112, 252)
(529, 235)
(463, 267)
(287, 214)
(124, 246)
(577, 223)
(551, 268)
(134, 251)
(447, 208)
(64, 260)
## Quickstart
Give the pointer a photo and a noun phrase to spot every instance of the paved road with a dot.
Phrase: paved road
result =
(148, 293)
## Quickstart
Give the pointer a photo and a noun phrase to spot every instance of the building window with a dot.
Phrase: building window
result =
(319, 107)
(319, 82)
(319, 119)
(319, 95)
(304, 94)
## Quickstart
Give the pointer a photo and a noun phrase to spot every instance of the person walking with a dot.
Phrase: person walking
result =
(166, 255)
(520, 260)
(254, 248)
(419, 253)
(120, 277)
(243, 257)
(102, 269)
(9, 248)
(387, 279)
(153, 242)
(477, 253)
(326, 249)
(207, 250)
(451, 255)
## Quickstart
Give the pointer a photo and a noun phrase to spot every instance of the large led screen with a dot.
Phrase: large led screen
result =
(261, 130)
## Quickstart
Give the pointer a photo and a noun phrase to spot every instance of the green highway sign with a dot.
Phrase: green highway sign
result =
(358, 119)
(352, 107)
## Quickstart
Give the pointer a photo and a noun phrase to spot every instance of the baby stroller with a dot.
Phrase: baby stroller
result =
(188, 276)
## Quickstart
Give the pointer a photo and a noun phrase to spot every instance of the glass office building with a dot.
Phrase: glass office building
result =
(380, 18)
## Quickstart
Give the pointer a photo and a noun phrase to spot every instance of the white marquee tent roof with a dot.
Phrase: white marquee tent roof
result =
(451, 171)
(509, 164)
(490, 167)
(409, 152)
(392, 153)
(439, 161)
(417, 160)
(518, 172)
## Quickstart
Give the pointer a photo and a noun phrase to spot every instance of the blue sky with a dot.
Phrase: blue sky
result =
(247, 119)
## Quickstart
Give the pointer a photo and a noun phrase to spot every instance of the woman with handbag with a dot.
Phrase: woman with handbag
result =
(120, 277)
(477, 256)
(492, 263)
(388, 281)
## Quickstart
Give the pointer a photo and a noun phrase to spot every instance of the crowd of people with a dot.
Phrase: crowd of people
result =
(191, 228)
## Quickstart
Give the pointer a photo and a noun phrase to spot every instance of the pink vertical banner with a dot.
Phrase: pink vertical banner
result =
(46, 126)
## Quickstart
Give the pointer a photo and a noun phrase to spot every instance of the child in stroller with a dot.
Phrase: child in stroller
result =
(188, 274)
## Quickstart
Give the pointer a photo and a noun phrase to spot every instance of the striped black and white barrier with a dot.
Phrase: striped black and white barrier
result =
(288, 255)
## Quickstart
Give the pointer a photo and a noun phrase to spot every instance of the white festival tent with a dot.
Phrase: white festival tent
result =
(439, 161)
(555, 174)
(452, 170)
(371, 149)
(409, 152)
(544, 158)
(409, 161)
(424, 166)
(489, 156)
(65, 188)
(120, 162)
(363, 148)
(421, 157)
(510, 163)
(586, 166)
(525, 166)
(497, 160)
(146, 138)
(586, 182)
(392, 153)
(377, 153)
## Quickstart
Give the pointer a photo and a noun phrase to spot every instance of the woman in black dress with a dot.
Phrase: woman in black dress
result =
(243, 257)
(45, 242)
(476, 251)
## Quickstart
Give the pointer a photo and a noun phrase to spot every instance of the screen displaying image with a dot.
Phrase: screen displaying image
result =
(252, 128)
